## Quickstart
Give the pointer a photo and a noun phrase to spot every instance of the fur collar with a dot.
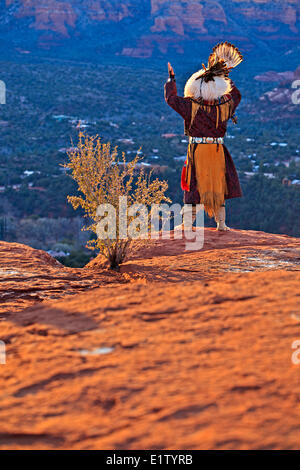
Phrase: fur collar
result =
(209, 91)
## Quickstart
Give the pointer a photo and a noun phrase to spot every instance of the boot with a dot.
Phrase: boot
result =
(220, 220)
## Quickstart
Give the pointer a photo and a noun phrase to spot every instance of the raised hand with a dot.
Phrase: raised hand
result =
(171, 71)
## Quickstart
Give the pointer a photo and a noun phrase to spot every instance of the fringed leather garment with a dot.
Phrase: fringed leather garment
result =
(206, 119)
(224, 107)
(209, 159)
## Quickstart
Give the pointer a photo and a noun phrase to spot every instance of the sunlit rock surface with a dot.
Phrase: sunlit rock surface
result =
(180, 350)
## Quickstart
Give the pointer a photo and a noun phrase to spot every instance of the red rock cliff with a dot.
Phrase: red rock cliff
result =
(234, 18)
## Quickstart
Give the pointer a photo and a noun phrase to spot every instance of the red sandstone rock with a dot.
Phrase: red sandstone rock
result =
(287, 14)
(272, 76)
(176, 16)
(181, 350)
(49, 15)
(280, 96)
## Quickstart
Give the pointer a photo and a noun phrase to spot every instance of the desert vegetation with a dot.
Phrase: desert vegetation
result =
(40, 119)
(103, 177)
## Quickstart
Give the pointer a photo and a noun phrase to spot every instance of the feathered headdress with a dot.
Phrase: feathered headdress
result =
(224, 58)
(212, 82)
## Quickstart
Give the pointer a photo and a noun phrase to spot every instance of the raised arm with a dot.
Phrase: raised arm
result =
(181, 105)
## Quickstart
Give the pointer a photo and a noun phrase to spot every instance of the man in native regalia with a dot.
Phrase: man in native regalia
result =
(210, 99)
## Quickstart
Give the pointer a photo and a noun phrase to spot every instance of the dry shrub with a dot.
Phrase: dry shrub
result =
(102, 177)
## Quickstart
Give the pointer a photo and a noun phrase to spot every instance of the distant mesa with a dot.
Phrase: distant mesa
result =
(162, 24)
(272, 76)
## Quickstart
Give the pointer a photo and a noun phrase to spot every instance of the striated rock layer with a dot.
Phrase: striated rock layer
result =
(180, 350)
(163, 23)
